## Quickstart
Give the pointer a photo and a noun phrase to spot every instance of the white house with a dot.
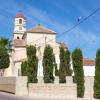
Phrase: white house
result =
(39, 36)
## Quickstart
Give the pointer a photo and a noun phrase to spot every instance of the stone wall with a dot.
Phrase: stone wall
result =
(52, 91)
(16, 85)
(89, 82)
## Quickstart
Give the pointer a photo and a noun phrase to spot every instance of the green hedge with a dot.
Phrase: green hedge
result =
(32, 64)
(48, 64)
(77, 60)
(97, 76)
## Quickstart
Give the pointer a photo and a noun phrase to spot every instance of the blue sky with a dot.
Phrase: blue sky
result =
(59, 15)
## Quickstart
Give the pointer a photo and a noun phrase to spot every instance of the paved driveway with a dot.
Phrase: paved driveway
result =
(8, 96)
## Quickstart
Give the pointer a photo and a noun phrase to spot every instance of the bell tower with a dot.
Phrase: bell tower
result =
(19, 25)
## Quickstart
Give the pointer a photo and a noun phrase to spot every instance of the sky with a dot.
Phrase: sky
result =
(58, 15)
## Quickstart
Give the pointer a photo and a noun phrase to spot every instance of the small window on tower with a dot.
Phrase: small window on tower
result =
(20, 21)
(20, 28)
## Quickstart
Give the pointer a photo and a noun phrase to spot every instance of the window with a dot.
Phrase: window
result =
(20, 28)
(20, 21)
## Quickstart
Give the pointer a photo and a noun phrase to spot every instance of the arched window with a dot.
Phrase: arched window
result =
(20, 21)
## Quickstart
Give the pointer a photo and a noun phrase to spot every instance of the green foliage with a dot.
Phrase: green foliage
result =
(62, 69)
(67, 63)
(24, 68)
(5, 48)
(97, 76)
(6, 43)
(32, 64)
(48, 64)
(4, 58)
(77, 60)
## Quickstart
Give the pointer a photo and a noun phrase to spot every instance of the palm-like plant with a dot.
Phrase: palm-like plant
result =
(6, 43)
(5, 50)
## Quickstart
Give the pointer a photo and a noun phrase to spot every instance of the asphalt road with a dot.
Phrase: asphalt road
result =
(8, 96)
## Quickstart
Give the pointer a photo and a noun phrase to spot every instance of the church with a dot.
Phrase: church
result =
(38, 36)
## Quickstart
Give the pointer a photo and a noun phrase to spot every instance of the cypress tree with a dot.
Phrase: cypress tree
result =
(32, 63)
(62, 69)
(24, 68)
(48, 64)
(97, 76)
(67, 63)
(77, 60)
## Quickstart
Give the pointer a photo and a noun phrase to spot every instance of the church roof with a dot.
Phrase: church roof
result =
(20, 15)
(41, 29)
(88, 62)
(19, 43)
(62, 44)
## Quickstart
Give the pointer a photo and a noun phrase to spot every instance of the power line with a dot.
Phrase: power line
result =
(76, 24)
(73, 27)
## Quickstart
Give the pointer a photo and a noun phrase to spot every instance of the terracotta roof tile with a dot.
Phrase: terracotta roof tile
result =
(41, 29)
(19, 43)
(20, 15)
(88, 62)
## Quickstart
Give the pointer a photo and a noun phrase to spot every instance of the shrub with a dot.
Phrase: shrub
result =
(97, 76)
(48, 64)
(77, 60)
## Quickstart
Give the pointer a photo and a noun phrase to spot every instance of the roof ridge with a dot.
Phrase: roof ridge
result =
(40, 28)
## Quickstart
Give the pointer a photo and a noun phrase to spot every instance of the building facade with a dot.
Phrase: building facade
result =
(38, 36)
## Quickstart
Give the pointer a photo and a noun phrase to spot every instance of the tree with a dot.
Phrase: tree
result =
(5, 48)
(32, 64)
(77, 60)
(48, 64)
(62, 69)
(24, 68)
(97, 76)
(6, 43)
(4, 58)
(67, 63)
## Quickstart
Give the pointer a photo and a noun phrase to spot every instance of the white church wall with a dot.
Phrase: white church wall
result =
(20, 54)
(89, 70)
(17, 68)
(39, 39)
(8, 71)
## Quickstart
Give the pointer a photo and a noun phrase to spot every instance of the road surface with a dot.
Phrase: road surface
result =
(8, 96)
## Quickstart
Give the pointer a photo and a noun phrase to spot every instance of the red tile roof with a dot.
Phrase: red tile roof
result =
(88, 62)
(20, 15)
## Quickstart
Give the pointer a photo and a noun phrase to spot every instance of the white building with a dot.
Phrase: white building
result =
(39, 36)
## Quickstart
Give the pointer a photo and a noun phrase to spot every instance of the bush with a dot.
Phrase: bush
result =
(32, 63)
(97, 76)
(24, 68)
(48, 64)
(77, 60)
